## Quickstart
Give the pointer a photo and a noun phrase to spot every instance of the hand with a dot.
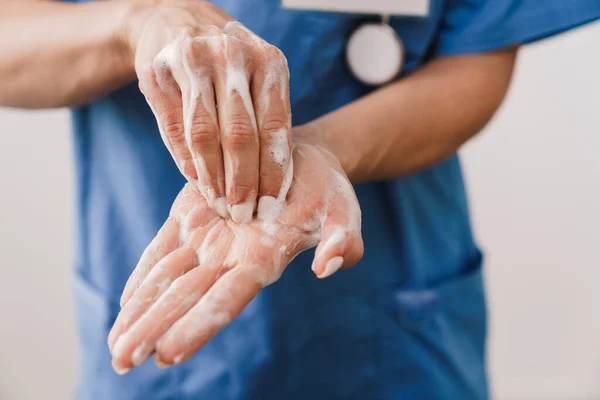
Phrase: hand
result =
(193, 59)
(201, 270)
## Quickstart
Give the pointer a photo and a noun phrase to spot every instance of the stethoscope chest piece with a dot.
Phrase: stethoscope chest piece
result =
(375, 54)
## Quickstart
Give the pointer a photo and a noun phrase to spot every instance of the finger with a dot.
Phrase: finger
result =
(135, 346)
(341, 245)
(157, 281)
(164, 97)
(211, 241)
(166, 240)
(194, 77)
(239, 138)
(188, 213)
(272, 107)
(217, 308)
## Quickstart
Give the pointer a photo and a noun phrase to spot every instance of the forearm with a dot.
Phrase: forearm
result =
(58, 54)
(418, 121)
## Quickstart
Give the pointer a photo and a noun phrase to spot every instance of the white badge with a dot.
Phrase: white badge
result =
(375, 54)
(381, 7)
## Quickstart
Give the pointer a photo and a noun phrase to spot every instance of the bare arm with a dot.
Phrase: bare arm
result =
(396, 130)
(191, 58)
(58, 54)
(418, 121)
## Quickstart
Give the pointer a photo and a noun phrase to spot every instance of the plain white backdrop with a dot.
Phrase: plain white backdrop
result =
(534, 180)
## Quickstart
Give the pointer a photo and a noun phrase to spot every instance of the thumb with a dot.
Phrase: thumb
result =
(341, 244)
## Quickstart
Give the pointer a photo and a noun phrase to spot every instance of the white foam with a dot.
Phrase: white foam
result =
(237, 81)
(267, 241)
(287, 182)
(242, 213)
(267, 208)
(221, 207)
(279, 147)
(354, 213)
(203, 252)
(200, 89)
(270, 228)
(336, 238)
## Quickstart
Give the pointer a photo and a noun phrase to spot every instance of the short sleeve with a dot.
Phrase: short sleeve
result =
(470, 26)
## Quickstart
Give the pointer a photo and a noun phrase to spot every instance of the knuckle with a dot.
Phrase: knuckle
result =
(275, 57)
(203, 134)
(145, 71)
(273, 123)
(146, 87)
(198, 51)
(160, 64)
(240, 133)
(231, 46)
(204, 52)
(174, 130)
(189, 53)
(234, 43)
(146, 77)
(273, 52)
(240, 192)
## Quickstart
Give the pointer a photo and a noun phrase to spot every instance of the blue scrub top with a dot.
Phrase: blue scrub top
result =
(408, 322)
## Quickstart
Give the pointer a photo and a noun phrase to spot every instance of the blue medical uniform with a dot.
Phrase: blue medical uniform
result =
(408, 322)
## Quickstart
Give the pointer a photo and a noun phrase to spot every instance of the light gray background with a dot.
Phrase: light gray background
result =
(534, 180)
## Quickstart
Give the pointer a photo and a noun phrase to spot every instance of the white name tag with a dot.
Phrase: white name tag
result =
(382, 7)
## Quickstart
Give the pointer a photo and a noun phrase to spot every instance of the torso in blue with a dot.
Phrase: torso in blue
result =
(408, 322)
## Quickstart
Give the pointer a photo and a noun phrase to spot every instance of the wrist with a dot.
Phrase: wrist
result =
(130, 16)
(310, 133)
(134, 15)
(319, 133)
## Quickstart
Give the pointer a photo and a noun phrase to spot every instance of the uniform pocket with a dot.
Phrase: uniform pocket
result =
(461, 297)
(437, 348)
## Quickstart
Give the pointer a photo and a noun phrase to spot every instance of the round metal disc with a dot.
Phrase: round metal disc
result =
(375, 54)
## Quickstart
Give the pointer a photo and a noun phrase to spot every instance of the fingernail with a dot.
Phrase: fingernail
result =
(141, 354)
(332, 266)
(314, 268)
(242, 213)
(221, 207)
(267, 208)
(178, 359)
(160, 363)
(120, 370)
(116, 347)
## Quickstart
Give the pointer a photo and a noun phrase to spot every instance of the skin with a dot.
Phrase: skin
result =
(211, 58)
(418, 121)
(397, 130)
(201, 267)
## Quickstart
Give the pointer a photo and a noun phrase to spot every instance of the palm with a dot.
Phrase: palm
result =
(201, 270)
